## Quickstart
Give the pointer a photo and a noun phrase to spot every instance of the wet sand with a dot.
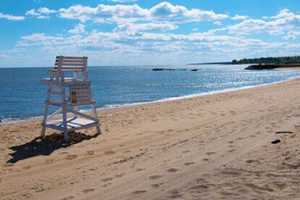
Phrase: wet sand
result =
(210, 147)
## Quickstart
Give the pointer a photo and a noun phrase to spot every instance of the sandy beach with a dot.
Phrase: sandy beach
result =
(209, 147)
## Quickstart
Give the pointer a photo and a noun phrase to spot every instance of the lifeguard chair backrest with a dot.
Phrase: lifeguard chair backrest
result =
(72, 64)
(80, 93)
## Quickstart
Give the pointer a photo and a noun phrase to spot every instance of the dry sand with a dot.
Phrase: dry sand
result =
(210, 147)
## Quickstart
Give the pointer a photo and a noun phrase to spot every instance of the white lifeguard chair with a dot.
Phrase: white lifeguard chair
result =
(69, 89)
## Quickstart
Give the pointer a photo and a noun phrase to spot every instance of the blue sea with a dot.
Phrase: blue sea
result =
(22, 95)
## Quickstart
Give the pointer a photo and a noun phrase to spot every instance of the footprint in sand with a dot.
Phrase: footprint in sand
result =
(119, 175)
(199, 187)
(107, 179)
(172, 170)
(231, 173)
(109, 152)
(156, 185)
(49, 161)
(27, 195)
(252, 161)
(280, 185)
(232, 112)
(189, 163)
(210, 153)
(259, 188)
(139, 192)
(71, 157)
(88, 190)
(105, 185)
(90, 153)
(175, 194)
(186, 151)
(155, 177)
(140, 169)
(68, 198)
(38, 188)
(26, 167)
(93, 169)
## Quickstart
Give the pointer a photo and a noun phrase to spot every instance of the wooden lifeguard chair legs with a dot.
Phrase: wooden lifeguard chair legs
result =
(44, 121)
(96, 117)
(65, 125)
(64, 112)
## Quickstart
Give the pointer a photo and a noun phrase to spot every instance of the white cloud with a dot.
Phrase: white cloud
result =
(134, 28)
(40, 39)
(102, 13)
(123, 42)
(144, 32)
(168, 11)
(11, 17)
(79, 28)
(239, 17)
(120, 45)
(285, 21)
(40, 13)
(292, 35)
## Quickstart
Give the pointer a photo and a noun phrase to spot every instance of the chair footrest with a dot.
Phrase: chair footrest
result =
(73, 123)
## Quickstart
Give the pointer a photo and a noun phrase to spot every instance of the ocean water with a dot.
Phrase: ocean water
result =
(22, 95)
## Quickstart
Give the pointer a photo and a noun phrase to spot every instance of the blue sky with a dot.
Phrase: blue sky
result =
(145, 32)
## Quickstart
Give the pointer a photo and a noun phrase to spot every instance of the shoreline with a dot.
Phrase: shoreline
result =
(168, 99)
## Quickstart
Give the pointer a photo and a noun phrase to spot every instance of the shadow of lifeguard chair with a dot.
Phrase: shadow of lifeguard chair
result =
(68, 90)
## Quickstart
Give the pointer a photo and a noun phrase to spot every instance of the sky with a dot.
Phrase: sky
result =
(146, 32)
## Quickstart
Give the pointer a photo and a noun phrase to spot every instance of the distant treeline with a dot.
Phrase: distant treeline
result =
(269, 60)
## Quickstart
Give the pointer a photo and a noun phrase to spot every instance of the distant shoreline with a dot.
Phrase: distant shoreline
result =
(261, 63)
(271, 66)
